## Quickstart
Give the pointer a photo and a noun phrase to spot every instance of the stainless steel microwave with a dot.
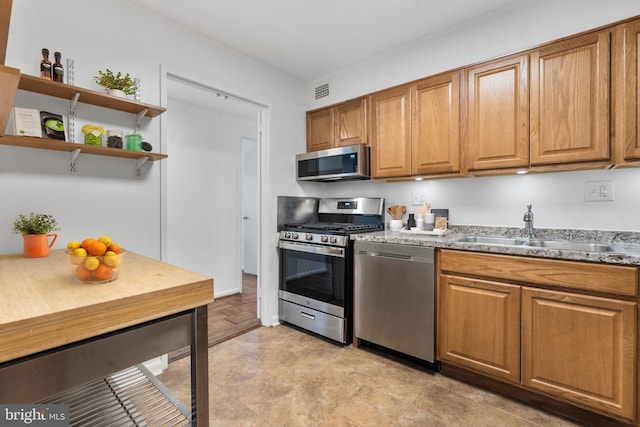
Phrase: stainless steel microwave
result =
(343, 163)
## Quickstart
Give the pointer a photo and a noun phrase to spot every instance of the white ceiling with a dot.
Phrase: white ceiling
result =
(310, 39)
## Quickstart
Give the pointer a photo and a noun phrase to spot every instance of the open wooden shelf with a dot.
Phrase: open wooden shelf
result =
(52, 144)
(101, 99)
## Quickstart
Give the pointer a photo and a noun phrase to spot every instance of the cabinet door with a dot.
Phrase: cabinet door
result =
(479, 326)
(391, 133)
(351, 123)
(320, 130)
(570, 83)
(497, 135)
(581, 349)
(627, 97)
(435, 129)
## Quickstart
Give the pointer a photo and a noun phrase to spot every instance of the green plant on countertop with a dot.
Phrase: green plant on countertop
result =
(35, 223)
(109, 80)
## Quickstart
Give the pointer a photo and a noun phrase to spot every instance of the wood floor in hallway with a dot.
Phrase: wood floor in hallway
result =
(230, 316)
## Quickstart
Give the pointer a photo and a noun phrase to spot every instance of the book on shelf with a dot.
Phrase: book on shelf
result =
(41, 124)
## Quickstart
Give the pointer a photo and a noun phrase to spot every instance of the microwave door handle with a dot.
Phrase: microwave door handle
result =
(322, 250)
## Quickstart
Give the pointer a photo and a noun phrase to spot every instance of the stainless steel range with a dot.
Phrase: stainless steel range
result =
(316, 266)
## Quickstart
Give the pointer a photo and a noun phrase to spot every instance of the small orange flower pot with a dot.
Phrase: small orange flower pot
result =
(38, 245)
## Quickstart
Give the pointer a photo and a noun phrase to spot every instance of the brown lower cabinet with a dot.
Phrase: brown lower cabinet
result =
(580, 348)
(480, 325)
(543, 325)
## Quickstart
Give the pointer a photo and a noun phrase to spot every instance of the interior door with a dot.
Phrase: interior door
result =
(249, 206)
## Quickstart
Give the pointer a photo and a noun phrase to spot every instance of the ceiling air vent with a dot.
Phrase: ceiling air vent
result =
(322, 91)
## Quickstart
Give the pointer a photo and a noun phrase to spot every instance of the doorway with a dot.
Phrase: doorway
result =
(208, 132)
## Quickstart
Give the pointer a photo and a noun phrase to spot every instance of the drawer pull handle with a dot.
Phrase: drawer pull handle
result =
(307, 315)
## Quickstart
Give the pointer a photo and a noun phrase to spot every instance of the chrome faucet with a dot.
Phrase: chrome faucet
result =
(528, 223)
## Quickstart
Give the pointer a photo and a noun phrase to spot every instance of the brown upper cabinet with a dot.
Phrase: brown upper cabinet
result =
(391, 133)
(415, 130)
(435, 128)
(497, 101)
(337, 126)
(570, 93)
(627, 93)
(566, 105)
(320, 129)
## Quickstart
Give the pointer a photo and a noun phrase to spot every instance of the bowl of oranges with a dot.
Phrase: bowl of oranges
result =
(95, 260)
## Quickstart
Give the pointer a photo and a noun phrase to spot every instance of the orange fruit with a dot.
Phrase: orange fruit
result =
(87, 242)
(114, 247)
(103, 272)
(97, 248)
(82, 273)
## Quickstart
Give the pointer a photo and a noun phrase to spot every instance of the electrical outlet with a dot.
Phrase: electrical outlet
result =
(598, 191)
(418, 198)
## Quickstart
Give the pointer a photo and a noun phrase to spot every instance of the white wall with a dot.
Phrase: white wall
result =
(514, 28)
(203, 187)
(104, 197)
(557, 198)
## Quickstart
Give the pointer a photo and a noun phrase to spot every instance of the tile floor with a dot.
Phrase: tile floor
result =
(279, 376)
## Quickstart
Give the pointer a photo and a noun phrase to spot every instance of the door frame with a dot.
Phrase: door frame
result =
(264, 270)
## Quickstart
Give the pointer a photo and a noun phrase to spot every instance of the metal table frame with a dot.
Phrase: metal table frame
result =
(35, 377)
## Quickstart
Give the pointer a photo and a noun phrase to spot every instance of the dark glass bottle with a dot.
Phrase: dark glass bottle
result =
(411, 222)
(58, 69)
(45, 65)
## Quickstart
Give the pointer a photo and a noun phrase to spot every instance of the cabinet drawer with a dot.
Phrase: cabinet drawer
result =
(610, 279)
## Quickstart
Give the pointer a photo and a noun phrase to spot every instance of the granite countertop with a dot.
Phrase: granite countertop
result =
(627, 243)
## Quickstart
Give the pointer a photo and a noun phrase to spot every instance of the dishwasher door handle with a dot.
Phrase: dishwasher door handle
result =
(385, 255)
(400, 257)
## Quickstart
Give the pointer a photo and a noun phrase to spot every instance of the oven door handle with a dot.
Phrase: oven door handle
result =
(312, 249)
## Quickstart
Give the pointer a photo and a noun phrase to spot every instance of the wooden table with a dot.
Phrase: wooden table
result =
(56, 334)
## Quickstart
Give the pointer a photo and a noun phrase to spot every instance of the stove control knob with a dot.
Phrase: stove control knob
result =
(287, 235)
(334, 240)
(294, 235)
(324, 239)
(309, 237)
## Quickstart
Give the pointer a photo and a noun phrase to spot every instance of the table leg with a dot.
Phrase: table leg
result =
(200, 368)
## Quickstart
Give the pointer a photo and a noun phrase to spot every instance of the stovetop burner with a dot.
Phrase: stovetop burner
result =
(337, 227)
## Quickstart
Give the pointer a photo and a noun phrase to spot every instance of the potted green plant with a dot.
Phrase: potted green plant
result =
(116, 83)
(36, 229)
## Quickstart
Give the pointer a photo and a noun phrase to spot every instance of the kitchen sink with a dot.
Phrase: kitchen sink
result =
(563, 245)
(493, 240)
(573, 246)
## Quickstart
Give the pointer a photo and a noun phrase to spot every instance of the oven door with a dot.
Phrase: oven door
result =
(313, 276)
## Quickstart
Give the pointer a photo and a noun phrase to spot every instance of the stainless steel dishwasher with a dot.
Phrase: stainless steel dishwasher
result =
(394, 297)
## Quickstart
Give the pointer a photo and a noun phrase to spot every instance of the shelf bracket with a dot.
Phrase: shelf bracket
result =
(73, 156)
(139, 162)
(74, 101)
(139, 118)
(71, 120)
